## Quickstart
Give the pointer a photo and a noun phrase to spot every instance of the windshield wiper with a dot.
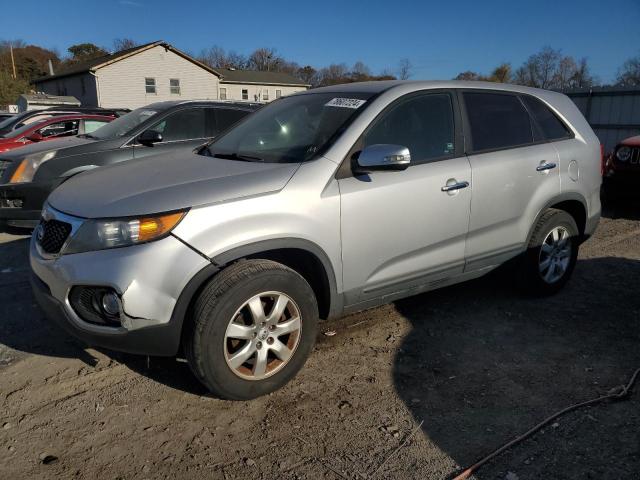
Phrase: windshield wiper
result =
(235, 156)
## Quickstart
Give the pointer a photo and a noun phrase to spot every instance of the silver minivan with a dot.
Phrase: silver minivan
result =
(319, 204)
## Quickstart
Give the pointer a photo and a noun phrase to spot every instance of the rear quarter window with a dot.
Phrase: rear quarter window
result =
(551, 126)
(497, 121)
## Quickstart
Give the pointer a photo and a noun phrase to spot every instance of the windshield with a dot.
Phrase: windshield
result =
(18, 132)
(123, 125)
(7, 122)
(292, 129)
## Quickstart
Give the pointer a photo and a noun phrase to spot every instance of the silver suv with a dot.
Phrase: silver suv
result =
(320, 204)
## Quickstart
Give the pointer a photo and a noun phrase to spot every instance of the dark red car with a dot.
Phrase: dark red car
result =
(53, 127)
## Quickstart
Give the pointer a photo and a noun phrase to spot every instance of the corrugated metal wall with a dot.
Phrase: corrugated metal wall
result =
(612, 112)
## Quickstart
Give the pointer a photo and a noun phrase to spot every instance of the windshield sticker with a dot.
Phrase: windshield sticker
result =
(345, 103)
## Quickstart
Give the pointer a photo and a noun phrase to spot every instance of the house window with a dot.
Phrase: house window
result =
(223, 93)
(150, 85)
(245, 94)
(265, 94)
(278, 93)
(174, 86)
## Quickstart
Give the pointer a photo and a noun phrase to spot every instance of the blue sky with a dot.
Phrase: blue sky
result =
(441, 38)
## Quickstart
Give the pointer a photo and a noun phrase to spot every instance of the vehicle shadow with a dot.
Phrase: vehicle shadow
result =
(484, 363)
(23, 328)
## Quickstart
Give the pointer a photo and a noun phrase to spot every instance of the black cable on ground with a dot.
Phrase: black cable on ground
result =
(618, 393)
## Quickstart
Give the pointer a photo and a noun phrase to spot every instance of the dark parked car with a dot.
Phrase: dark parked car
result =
(29, 174)
(621, 176)
(19, 120)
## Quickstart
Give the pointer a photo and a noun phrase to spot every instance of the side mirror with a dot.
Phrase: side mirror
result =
(383, 156)
(35, 137)
(149, 137)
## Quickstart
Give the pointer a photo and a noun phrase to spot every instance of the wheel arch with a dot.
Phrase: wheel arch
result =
(303, 256)
(572, 203)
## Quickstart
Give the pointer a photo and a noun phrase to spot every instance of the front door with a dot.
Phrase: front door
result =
(400, 230)
(184, 129)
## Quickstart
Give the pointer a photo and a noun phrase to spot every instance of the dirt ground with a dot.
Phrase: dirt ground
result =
(416, 389)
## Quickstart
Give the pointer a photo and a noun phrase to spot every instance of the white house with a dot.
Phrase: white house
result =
(156, 72)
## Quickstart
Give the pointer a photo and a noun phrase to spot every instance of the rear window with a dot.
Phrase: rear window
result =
(497, 121)
(551, 126)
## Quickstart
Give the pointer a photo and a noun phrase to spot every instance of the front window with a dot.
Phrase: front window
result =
(294, 129)
(245, 94)
(124, 124)
(60, 129)
(187, 124)
(174, 86)
(265, 94)
(150, 85)
(278, 93)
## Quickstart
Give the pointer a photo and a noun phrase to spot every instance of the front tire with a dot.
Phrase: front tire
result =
(252, 329)
(551, 254)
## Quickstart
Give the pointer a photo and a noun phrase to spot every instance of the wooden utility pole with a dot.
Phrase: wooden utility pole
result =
(13, 63)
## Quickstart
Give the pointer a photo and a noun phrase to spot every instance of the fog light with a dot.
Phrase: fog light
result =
(110, 304)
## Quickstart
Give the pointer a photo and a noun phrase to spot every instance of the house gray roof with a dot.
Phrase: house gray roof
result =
(46, 99)
(104, 60)
(230, 75)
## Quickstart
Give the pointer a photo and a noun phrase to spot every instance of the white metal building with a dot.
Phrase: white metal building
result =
(157, 71)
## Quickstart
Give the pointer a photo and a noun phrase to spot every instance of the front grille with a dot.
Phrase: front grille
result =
(4, 164)
(52, 235)
(635, 156)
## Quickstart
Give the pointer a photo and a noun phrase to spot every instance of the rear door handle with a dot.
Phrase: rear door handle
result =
(545, 166)
(455, 186)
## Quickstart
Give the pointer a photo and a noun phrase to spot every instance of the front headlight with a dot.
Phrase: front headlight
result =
(623, 154)
(27, 168)
(112, 233)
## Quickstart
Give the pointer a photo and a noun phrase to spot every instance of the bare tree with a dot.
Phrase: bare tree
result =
(360, 69)
(404, 69)
(582, 77)
(565, 73)
(265, 59)
(120, 44)
(629, 73)
(306, 74)
(214, 57)
(468, 75)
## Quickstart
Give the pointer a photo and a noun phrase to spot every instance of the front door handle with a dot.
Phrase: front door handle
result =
(455, 186)
(545, 166)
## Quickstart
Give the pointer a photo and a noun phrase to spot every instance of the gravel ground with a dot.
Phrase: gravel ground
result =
(416, 389)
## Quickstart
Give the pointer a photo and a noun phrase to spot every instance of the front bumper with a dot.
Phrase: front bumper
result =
(21, 203)
(149, 279)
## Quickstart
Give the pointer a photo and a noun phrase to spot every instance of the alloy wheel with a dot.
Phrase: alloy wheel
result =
(555, 255)
(262, 335)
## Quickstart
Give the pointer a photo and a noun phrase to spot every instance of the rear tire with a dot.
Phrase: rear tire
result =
(551, 254)
(252, 329)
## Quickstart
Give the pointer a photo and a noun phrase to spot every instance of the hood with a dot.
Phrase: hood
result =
(46, 146)
(166, 182)
(631, 141)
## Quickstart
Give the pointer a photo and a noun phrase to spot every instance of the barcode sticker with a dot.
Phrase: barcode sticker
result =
(345, 103)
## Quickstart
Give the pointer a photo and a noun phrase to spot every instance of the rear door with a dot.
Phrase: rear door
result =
(515, 172)
(399, 229)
